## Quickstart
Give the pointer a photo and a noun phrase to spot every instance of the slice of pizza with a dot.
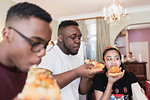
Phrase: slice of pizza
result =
(40, 85)
(97, 64)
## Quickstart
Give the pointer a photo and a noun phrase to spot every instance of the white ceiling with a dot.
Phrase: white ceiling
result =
(61, 8)
(77, 9)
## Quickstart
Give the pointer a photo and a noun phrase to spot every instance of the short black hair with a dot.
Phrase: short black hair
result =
(66, 23)
(27, 10)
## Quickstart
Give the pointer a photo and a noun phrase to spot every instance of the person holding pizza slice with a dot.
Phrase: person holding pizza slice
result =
(115, 83)
(72, 75)
(26, 34)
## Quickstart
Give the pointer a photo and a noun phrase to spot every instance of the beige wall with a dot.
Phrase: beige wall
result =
(4, 6)
(137, 17)
(54, 26)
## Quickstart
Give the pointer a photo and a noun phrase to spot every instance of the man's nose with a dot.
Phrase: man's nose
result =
(77, 40)
(42, 52)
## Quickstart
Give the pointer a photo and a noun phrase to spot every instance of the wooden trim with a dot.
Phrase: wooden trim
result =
(88, 18)
(121, 35)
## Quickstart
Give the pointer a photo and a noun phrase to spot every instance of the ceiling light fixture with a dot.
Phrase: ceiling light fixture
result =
(114, 12)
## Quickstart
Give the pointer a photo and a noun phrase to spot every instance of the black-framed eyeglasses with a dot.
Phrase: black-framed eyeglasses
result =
(35, 46)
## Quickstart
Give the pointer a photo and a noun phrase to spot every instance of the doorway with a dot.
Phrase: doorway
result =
(140, 50)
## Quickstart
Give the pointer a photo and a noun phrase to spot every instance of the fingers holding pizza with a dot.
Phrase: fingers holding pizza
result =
(114, 74)
(114, 71)
(89, 69)
(97, 66)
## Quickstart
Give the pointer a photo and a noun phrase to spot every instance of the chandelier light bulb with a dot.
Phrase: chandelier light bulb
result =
(114, 12)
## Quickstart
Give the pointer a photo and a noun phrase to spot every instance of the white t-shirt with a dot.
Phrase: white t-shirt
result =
(58, 62)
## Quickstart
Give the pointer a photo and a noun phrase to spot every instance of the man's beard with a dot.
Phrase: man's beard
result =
(68, 50)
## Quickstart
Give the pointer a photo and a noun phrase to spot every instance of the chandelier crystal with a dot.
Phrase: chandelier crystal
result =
(114, 12)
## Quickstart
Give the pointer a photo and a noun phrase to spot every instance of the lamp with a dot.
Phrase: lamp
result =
(114, 12)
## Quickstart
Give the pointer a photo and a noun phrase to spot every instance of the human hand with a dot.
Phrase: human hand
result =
(112, 80)
(86, 71)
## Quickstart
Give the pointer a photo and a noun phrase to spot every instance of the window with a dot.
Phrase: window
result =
(91, 40)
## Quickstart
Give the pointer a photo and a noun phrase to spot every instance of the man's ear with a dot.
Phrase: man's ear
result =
(6, 34)
(60, 38)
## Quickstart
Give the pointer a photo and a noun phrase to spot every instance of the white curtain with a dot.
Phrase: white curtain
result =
(83, 29)
(103, 39)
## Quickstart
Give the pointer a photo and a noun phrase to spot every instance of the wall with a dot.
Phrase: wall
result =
(136, 34)
(134, 18)
(54, 26)
(4, 6)
(140, 35)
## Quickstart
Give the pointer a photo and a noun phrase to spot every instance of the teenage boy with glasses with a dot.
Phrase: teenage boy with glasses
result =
(25, 37)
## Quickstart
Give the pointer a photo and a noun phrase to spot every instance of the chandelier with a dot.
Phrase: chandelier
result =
(114, 12)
